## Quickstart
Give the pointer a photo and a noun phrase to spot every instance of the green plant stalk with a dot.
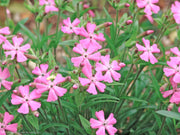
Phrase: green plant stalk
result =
(163, 123)
(29, 125)
(64, 117)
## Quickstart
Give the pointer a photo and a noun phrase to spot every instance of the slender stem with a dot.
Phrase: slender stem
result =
(65, 119)
(17, 72)
(160, 130)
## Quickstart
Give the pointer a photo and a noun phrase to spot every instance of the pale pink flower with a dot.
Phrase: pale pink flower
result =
(51, 86)
(27, 100)
(49, 5)
(3, 76)
(91, 38)
(149, 6)
(103, 124)
(149, 17)
(176, 13)
(148, 51)
(70, 27)
(85, 55)
(92, 80)
(4, 31)
(110, 69)
(4, 125)
(173, 70)
(41, 72)
(15, 50)
(175, 51)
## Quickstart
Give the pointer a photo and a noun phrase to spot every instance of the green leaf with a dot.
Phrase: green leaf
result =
(18, 27)
(169, 114)
(133, 99)
(114, 84)
(33, 120)
(4, 2)
(53, 125)
(68, 42)
(85, 123)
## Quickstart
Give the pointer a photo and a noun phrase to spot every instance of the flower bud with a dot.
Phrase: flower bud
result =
(36, 113)
(122, 64)
(75, 86)
(128, 22)
(148, 32)
(170, 107)
(15, 91)
(127, 5)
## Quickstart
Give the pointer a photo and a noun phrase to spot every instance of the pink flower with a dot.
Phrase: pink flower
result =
(175, 51)
(41, 72)
(54, 90)
(3, 76)
(91, 38)
(148, 51)
(16, 50)
(149, 17)
(4, 31)
(173, 71)
(92, 80)
(176, 13)
(85, 55)
(23, 97)
(70, 27)
(110, 69)
(171, 92)
(149, 6)
(103, 124)
(4, 125)
(49, 5)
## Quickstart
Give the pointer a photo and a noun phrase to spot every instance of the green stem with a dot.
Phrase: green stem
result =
(160, 130)
(65, 118)
(17, 72)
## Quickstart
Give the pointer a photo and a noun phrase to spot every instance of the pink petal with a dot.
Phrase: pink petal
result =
(87, 71)
(100, 37)
(2, 131)
(100, 67)
(100, 86)
(101, 131)
(147, 10)
(41, 87)
(146, 43)
(24, 90)
(7, 84)
(105, 60)
(92, 89)
(59, 91)
(154, 49)
(12, 53)
(12, 127)
(141, 4)
(59, 79)
(50, 8)
(155, 8)
(175, 50)
(16, 100)
(176, 78)
(116, 76)
(95, 123)
(107, 77)
(167, 93)
(78, 49)
(25, 48)
(66, 29)
(76, 22)
(77, 60)
(111, 130)
(34, 105)
(90, 27)
(95, 56)
(34, 94)
(84, 81)
(115, 65)
(152, 58)
(52, 96)
(8, 46)
(5, 31)
(145, 56)
(85, 42)
(21, 57)
(100, 116)
(36, 71)
(140, 47)
(169, 72)
(111, 120)
(7, 118)
(5, 74)
(67, 21)
(17, 41)
(24, 109)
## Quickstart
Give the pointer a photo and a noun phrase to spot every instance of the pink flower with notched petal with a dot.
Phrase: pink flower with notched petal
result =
(3, 76)
(91, 38)
(176, 13)
(173, 71)
(70, 27)
(92, 80)
(171, 92)
(4, 125)
(15, 50)
(85, 55)
(41, 72)
(148, 51)
(4, 31)
(103, 124)
(49, 5)
(26, 99)
(175, 51)
(54, 90)
(149, 6)
(110, 69)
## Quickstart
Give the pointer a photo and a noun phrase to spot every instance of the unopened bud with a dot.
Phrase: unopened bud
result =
(128, 22)
(36, 113)
(170, 107)
(148, 32)
(15, 91)
(56, 68)
(122, 64)
(127, 5)
(32, 84)
(68, 78)
(75, 86)
(31, 56)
